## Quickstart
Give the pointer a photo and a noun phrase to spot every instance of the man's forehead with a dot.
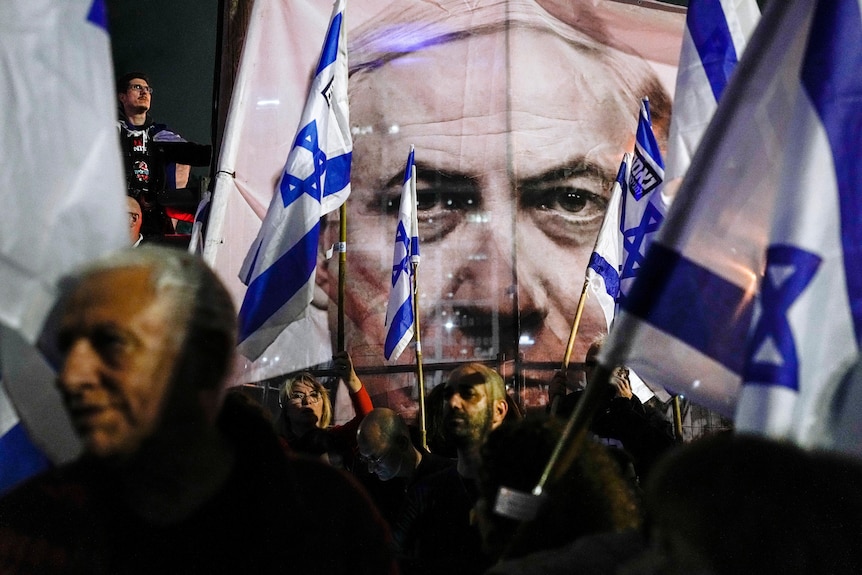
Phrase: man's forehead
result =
(469, 379)
(371, 438)
(120, 293)
(470, 118)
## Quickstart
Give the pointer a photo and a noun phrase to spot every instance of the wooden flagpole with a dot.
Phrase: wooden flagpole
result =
(414, 292)
(423, 430)
(342, 272)
(567, 357)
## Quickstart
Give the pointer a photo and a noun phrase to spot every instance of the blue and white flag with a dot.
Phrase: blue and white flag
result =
(19, 456)
(603, 271)
(196, 242)
(750, 301)
(62, 188)
(280, 266)
(642, 209)
(716, 32)
(400, 319)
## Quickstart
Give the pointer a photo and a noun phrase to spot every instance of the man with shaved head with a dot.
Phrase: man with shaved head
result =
(387, 449)
(435, 532)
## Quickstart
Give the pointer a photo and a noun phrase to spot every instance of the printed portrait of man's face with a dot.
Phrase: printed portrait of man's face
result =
(518, 130)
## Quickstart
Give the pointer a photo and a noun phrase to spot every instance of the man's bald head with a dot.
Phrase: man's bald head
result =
(385, 445)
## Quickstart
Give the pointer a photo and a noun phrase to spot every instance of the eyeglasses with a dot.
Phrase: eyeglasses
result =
(373, 462)
(141, 88)
(298, 397)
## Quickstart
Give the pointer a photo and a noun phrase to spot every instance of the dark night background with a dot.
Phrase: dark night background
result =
(175, 43)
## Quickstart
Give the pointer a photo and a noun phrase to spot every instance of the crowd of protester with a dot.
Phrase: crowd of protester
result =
(179, 474)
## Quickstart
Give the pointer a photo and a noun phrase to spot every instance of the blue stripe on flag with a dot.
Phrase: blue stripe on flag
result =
(337, 174)
(707, 25)
(98, 14)
(608, 272)
(831, 77)
(19, 458)
(692, 304)
(278, 283)
(330, 48)
(401, 323)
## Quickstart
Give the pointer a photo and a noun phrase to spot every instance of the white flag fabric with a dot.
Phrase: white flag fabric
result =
(400, 320)
(716, 32)
(642, 209)
(201, 214)
(62, 185)
(750, 301)
(280, 265)
(603, 271)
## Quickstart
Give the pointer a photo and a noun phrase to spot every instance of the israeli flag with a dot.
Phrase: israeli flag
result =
(642, 210)
(400, 320)
(196, 242)
(716, 32)
(280, 265)
(19, 456)
(750, 300)
(61, 172)
(603, 271)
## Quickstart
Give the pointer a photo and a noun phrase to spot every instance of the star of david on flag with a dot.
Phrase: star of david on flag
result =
(280, 266)
(750, 298)
(400, 317)
(771, 356)
(642, 210)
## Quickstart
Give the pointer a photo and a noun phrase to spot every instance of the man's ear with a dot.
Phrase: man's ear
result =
(501, 408)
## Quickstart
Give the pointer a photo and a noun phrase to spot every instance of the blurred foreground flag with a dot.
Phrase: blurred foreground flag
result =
(716, 32)
(280, 265)
(62, 191)
(400, 320)
(19, 457)
(603, 271)
(750, 300)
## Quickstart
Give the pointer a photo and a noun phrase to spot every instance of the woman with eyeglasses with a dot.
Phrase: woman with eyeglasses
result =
(306, 414)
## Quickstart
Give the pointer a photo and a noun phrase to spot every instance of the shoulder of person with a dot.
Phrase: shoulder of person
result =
(56, 501)
(162, 133)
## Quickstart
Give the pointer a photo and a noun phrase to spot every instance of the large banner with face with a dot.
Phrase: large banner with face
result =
(519, 112)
